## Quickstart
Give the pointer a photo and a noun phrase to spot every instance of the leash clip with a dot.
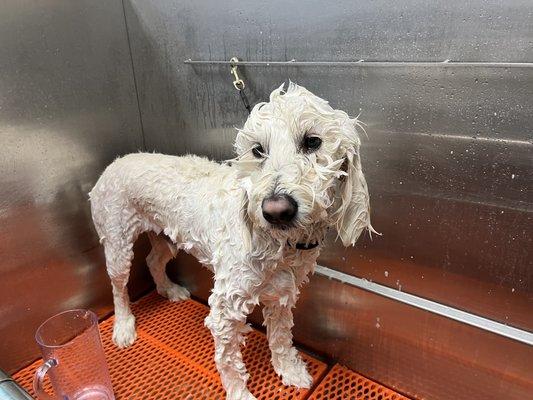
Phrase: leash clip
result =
(238, 83)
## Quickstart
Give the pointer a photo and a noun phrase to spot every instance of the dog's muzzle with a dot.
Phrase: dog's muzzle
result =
(279, 210)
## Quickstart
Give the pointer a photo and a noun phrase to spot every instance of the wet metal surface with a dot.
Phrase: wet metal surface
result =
(422, 355)
(474, 320)
(67, 109)
(447, 158)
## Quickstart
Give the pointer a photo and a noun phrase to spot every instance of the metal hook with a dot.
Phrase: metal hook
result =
(238, 82)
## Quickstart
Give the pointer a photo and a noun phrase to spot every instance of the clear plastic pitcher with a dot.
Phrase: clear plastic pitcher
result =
(73, 357)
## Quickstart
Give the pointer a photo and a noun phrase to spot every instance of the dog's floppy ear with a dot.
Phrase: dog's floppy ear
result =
(353, 213)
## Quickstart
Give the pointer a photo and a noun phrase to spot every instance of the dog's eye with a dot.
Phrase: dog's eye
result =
(258, 151)
(312, 143)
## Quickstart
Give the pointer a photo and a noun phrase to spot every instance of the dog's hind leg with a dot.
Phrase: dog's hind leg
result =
(118, 259)
(162, 252)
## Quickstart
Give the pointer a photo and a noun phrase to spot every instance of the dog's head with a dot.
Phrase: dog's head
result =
(299, 161)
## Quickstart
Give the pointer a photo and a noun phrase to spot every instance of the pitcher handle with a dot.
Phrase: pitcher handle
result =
(38, 379)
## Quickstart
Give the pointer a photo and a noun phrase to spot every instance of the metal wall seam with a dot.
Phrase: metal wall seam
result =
(363, 63)
(428, 305)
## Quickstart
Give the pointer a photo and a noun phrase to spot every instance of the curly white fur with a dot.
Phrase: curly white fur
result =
(213, 211)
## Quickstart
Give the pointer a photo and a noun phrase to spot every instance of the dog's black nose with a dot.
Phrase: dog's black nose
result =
(279, 209)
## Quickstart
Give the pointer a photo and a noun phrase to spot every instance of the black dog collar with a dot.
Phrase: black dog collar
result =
(304, 246)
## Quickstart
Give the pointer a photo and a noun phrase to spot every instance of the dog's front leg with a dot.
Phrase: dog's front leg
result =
(285, 358)
(227, 322)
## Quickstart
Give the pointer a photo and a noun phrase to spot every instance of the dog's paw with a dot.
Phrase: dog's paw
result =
(124, 333)
(174, 293)
(240, 395)
(293, 372)
(249, 396)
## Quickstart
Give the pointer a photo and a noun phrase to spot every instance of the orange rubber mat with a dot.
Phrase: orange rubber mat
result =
(172, 358)
(343, 383)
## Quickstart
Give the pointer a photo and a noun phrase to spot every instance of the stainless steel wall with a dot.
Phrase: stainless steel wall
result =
(67, 108)
(448, 161)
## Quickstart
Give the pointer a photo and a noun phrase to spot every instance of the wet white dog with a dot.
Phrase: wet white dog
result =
(258, 222)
